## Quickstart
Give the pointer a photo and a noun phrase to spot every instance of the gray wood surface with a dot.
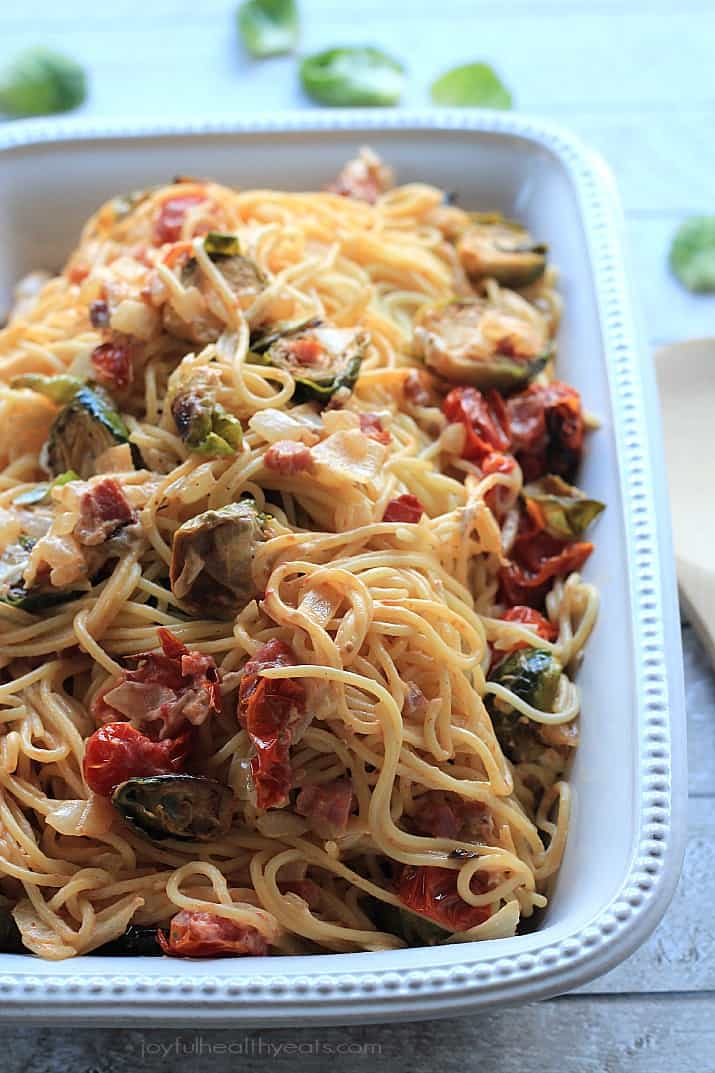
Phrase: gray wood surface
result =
(637, 81)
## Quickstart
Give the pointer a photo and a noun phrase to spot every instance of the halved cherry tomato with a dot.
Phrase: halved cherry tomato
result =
(547, 429)
(269, 709)
(433, 892)
(484, 418)
(117, 752)
(405, 508)
(206, 935)
(529, 617)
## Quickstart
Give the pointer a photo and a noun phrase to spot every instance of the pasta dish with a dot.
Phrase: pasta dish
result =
(290, 602)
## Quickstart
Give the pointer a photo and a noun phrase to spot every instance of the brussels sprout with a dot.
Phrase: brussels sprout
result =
(13, 563)
(449, 338)
(184, 807)
(59, 388)
(10, 937)
(692, 254)
(204, 425)
(320, 360)
(218, 245)
(472, 85)
(212, 559)
(415, 929)
(41, 82)
(82, 431)
(262, 343)
(502, 251)
(532, 674)
(41, 492)
(243, 277)
(36, 599)
(135, 942)
(345, 77)
(566, 511)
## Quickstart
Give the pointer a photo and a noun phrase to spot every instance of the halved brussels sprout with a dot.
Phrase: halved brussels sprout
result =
(243, 277)
(59, 388)
(135, 942)
(415, 929)
(565, 510)
(185, 807)
(14, 561)
(320, 360)
(123, 204)
(36, 599)
(500, 250)
(212, 559)
(204, 425)
(82, 431)
(261, 343)
(533, 675)
(471, 341)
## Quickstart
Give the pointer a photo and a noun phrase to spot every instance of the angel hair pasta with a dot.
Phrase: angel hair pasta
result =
(289, 590)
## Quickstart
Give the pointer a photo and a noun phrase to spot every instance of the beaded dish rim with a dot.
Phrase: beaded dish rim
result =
(382, 986)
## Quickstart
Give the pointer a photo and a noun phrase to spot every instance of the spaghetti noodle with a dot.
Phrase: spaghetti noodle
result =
(289, 599)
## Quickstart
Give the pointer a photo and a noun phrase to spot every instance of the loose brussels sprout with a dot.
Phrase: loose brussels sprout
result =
(452, 340)
(10, 937)
(415, 929)
(59, 388)
(506, 252)
(184, 807)
(41, 492)
(42, 82)
(204, 425)
(565, 510)
(135, 942)
(320, 360)
(82, 431)
(533, 675)
(212, 559)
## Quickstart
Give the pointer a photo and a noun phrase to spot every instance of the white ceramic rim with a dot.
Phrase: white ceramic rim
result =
(402, 985)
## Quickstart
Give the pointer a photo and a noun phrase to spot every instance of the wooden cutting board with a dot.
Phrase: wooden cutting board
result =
(686, 383)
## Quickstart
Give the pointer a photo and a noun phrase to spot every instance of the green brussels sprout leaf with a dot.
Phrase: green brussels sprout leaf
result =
(344, 77)
(692, 254)
(473, 85)
(268, 27)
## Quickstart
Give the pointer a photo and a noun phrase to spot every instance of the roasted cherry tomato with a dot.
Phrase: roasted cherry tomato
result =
(117, 752)
(207, 935)
(405, 508)
(433, 892)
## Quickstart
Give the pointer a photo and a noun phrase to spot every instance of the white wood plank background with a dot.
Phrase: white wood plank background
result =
(637, 80)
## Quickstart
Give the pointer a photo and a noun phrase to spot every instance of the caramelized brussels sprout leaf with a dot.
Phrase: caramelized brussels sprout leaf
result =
(204, 425)
(183, 807)
(268, 27)
(123, 204)
(82, 431)
(217, 244)
(472, 85)
(565, 510)
(135, 942)
(41, 492)
(212, 559)
(10, 937)
(59, 388)
(415, 929)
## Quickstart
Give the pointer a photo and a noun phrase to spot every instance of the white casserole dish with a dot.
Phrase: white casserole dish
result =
(626, 840)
